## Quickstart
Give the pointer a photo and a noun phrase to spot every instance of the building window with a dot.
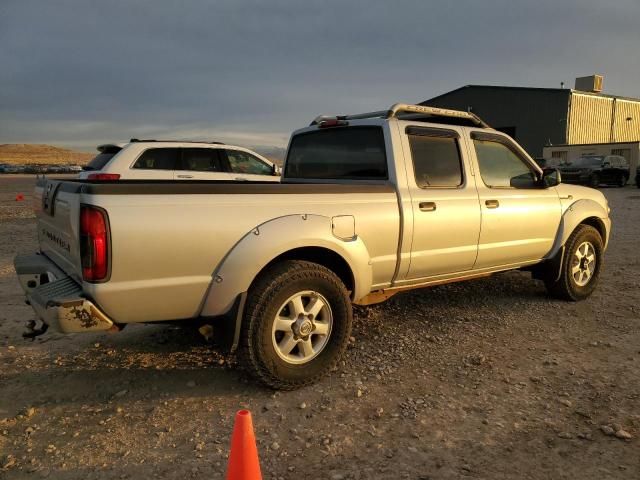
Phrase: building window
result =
(560, 156)
(623, 152)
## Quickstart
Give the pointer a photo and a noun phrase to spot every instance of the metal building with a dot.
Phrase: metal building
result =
(539, 117)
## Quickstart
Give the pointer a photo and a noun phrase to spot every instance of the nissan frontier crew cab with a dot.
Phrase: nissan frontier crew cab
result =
(369, 205)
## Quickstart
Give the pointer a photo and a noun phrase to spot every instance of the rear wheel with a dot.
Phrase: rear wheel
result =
(594, 181)
(296, 324)
(581, 264)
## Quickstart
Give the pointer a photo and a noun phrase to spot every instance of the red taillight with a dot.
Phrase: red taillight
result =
(94, 244)
(103, 176)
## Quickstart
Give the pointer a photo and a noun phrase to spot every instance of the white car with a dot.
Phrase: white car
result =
(178, 160)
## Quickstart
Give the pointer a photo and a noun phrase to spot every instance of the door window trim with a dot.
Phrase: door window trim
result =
(414, 130)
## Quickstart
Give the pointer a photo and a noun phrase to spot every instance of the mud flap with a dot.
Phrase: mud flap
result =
(550, 269)
(226, 328)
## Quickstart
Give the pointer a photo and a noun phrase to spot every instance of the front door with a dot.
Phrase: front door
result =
(519, 219)
(446, 212)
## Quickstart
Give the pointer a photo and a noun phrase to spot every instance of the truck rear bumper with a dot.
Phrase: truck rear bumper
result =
(57, 298)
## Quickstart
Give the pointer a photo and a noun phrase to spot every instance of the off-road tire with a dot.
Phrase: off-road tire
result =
(566, 287)
(594, 181)
(257, 354)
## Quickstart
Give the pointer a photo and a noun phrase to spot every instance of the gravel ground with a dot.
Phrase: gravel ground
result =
(485, 379)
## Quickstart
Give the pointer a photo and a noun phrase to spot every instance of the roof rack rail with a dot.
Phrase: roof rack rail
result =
(135, 140)
(400, 108)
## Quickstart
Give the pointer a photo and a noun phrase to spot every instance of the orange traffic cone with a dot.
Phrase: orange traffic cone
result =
(19, 197)
(243, 459)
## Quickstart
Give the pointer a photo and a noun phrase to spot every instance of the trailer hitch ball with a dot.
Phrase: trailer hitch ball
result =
(32, 332)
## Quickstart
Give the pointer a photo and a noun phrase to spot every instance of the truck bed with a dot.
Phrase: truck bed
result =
(168, 237)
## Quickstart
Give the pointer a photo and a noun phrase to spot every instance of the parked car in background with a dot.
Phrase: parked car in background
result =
(14, 169)
(638, 178)
(595, 170)
(178, 160)
(370, 205)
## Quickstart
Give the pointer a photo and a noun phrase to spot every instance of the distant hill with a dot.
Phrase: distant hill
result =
(25, 153)
(275, 154)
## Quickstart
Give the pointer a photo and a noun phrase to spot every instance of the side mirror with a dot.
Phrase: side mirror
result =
(276, 171)
(550, 177)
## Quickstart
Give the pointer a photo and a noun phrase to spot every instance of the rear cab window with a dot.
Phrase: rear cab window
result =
(338, 153)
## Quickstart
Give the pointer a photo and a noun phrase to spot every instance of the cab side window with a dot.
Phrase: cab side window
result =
(242, 162)
(436, 158)
(158, 159)
(201, 160)
(500, 167)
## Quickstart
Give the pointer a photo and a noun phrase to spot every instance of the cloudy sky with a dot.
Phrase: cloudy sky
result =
(79, 73)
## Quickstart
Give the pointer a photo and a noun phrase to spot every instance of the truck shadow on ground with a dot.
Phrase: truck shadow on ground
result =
(150, 361)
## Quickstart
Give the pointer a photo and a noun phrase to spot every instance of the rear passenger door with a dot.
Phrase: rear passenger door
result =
(446, 212)
(199, 163)
(244, 166)
(155, 164)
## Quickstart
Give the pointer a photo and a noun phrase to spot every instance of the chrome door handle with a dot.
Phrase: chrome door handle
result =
(492, 203)
(184, 176)
(427, 206)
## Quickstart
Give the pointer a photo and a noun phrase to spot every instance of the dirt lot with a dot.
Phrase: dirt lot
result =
(486, 379)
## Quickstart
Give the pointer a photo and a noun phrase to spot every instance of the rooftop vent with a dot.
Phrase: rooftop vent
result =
(592, 83)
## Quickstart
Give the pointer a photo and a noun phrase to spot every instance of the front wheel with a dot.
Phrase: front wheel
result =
(296, 324)
(581, 265)
(622, 181)
(594, 181)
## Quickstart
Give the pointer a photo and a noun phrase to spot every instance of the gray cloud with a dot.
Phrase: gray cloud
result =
(79, 73)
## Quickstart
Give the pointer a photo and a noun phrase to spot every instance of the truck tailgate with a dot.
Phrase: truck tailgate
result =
(58, 211)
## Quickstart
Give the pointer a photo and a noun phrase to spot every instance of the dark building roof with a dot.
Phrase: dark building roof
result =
(530, 89)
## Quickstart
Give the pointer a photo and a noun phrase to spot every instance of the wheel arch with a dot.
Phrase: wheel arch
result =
(322, 256)
(596, 223)
(587, 212)
(299, 237)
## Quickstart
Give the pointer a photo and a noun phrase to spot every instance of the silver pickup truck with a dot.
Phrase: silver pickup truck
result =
(369, 205)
